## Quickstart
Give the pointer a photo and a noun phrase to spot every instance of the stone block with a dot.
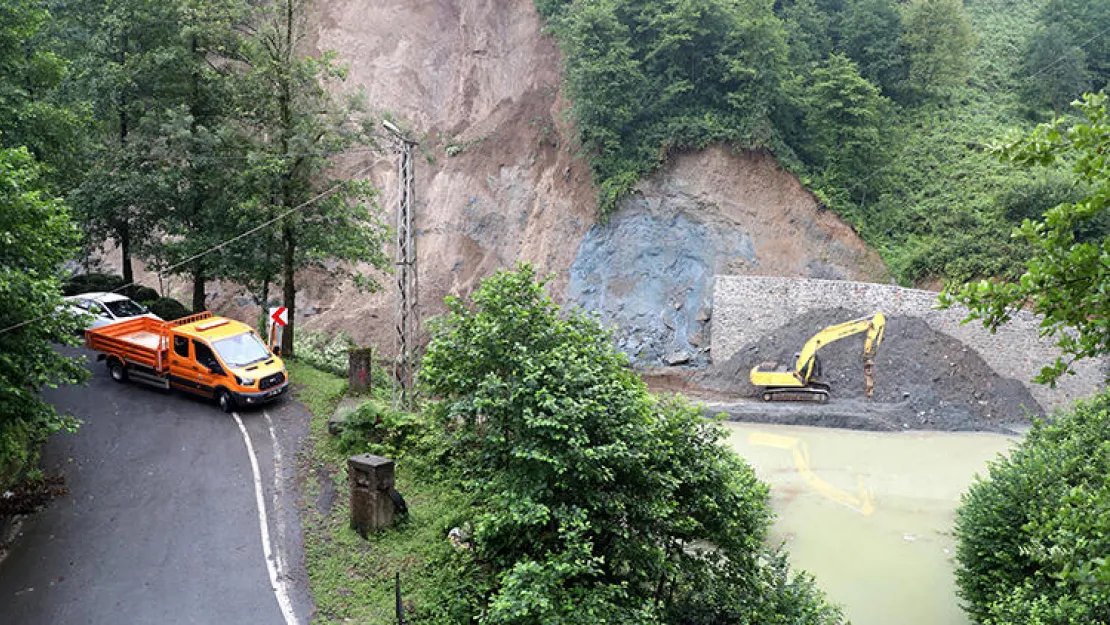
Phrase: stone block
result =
(371, 483)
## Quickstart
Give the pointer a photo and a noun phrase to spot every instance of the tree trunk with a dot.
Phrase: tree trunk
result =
(125, 250)
(200, 298)
(199, 280)
(288, 286)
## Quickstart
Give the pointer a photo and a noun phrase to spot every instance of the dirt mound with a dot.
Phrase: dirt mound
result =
(932, 378)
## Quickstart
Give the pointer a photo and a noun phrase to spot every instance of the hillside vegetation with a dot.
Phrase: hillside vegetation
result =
(886, 110)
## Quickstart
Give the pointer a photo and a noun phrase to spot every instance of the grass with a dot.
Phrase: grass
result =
(352, 579)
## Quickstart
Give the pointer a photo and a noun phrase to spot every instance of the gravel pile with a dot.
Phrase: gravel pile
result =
(932, 379)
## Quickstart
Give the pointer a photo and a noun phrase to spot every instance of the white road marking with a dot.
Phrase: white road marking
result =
(263, 525)
(279, 550)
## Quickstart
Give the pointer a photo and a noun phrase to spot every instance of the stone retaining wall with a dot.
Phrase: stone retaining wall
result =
(747, 308)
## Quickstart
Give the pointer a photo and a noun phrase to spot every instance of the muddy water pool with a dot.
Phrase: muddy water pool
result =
(870, 514)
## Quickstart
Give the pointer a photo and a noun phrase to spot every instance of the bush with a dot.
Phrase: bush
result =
(140, 293)
(1034, 535)
(322, 352)
(593, 501)
(377, 429)
(91, 283)
(168, 308)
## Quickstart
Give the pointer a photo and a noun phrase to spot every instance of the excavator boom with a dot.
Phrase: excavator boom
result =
(799, 383)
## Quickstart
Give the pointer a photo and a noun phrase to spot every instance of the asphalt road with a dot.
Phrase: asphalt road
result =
(161, 523)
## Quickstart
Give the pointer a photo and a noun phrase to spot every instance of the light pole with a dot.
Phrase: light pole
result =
(405, 319)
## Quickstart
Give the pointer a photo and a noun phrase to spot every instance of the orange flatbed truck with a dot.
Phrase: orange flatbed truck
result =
(203, 354)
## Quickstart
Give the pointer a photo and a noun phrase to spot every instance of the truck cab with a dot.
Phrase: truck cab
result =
(224, 359)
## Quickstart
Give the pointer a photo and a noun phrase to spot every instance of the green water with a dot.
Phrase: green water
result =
(870, 514)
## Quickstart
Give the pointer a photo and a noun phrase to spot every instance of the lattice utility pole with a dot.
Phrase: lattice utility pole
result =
(406, 317)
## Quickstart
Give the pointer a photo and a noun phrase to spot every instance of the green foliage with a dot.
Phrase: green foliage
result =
(169, 308)
(648, 77)
(1087, 22)
(36, 237)
(842, 117)
(378, 429)
(140, 293)
(111, 283)
(298, 118)
(91, 283)
(1034, 534)
(937, 37)
(1067, 273)
(351, 578)
(33, 110)
(870, 32)
(326, 353)
(1054, 67)
(589, 493)
(318, 390)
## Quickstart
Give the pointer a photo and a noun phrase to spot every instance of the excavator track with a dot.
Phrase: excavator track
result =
(811, 393)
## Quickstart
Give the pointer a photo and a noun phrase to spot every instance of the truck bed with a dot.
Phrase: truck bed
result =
(142, 341)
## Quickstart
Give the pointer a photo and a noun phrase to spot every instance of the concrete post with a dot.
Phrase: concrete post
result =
(371, 480)
(360, 369)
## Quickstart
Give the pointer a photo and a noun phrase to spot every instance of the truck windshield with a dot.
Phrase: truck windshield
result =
(241, 350)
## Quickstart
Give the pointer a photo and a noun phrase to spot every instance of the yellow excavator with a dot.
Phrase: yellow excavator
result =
(801, 382)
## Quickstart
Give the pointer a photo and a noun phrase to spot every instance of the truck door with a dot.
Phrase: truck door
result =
(183, 368)
(210, 373)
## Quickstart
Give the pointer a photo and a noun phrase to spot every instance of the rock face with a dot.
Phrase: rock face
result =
(649, 270)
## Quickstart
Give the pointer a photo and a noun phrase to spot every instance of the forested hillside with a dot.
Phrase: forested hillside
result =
(886, 110)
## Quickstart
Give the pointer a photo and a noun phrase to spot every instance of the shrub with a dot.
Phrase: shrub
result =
(140, 293)
(324, 353)
(1034, 535)
(90, 283)
(591, 496)
(168, 308)
(378, 429)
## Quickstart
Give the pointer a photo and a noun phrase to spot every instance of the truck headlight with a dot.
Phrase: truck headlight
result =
(245, 381)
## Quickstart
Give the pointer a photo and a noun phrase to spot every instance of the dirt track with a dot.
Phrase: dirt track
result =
(923, 380)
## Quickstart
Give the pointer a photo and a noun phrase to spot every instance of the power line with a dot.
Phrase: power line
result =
(217, 157)
(1062, 58)
(216, 247)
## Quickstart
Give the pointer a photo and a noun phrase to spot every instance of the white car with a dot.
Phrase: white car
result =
(107, 308)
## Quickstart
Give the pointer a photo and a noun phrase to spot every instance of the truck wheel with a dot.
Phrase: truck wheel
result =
(224, 401)
(117, 371)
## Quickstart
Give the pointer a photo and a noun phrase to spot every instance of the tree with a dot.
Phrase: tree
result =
(32, 111)
(1054, 68)
(807, 30)
(870, 32)
(590, 496)
(199, 146)
(1086, 23)
(1067, 277)
(1034, 534)
(937, 39)
(843, 115)
(36, 237)
(325, 223)
(126, 68)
